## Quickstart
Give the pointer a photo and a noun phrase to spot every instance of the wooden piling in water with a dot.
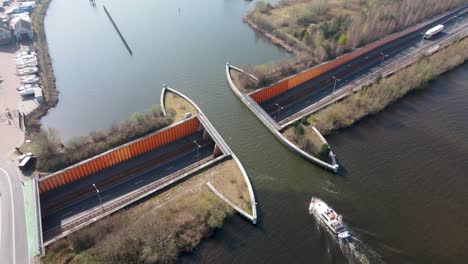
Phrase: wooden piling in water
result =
(117, 29)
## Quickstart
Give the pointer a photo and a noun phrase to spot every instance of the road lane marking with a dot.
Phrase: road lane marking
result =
(170, 168)
(196, 155)
(104, 197)
(69, 213)
(138, 182)
(12, 215)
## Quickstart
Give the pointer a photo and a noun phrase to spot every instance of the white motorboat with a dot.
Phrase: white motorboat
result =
(28, 76)
(25, 53)
(30, 80)
(29, 60)
(28, 91)
(26, 57)
(27, 71)
(329, 217)
(26, 86)
(25, 65)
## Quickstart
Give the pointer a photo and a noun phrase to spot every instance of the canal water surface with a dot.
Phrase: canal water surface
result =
(402, 187)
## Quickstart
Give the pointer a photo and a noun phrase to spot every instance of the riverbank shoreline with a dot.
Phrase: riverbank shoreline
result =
(49, 88)
(274, 39)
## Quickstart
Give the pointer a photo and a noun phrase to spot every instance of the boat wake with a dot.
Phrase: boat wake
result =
(356, 252)
(353, 249)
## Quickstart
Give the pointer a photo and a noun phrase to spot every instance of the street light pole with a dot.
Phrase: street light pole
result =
(422, 39)
(279, 110)
(99, 196)
(383, 57)
(334, 85)
(198, 151)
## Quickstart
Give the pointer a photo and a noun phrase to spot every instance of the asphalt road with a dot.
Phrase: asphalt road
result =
(79, 208)
(306, 94)
(13, 237)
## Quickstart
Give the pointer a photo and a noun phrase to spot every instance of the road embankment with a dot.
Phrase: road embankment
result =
(378, 95)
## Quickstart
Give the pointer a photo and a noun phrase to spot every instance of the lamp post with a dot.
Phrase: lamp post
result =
(279, 110)
(383, 57)
(422, 39)
(334, 85)
(198, 151)
(99, 196)
(456, 20)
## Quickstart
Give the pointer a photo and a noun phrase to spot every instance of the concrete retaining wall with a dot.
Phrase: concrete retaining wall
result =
(244, 98)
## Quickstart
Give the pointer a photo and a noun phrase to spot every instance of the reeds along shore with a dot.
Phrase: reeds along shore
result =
(318, 31)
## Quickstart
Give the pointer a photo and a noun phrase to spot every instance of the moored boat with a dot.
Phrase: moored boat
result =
(27, 71)
(26, 65)
(26, 57)
(28, 91)
(30, 76)
(30, 80)
(25, 53)
(26, 87)
(329, 217)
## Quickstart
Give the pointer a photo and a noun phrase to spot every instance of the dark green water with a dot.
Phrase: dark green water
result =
(402, 189)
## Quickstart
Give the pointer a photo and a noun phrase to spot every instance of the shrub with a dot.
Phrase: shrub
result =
(324, 151)
(51, 157)
(299, 130)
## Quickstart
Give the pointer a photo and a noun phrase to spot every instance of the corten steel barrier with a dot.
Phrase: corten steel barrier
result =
(119, 154)
(282, 86)
(400, 63)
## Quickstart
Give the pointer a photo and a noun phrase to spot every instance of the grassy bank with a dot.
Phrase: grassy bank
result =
(45, 64)
(155, 231)
(177, 106)
(375, 97)
(320, 30)
(53, 155)
(302, 135)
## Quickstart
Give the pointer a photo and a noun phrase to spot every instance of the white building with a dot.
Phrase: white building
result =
(5, 33)
(23, 29)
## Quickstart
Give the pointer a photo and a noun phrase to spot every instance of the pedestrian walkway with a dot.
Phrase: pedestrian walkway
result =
(29, 207)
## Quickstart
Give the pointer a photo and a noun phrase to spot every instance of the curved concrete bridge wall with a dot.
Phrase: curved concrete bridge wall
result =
(226, 150)
(251, 105)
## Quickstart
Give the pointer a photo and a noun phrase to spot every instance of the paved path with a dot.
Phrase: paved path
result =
(13, 239)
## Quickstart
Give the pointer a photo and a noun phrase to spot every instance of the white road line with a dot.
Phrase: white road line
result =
(12, 215)
(170, 167)
(69, 213)
(196, 155)
(138, 182)
(104, 197)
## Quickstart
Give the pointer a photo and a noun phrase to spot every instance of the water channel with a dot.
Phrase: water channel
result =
(402, 189)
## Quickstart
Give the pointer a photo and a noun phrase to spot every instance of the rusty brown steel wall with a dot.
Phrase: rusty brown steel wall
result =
(267, 93)
(120, 154)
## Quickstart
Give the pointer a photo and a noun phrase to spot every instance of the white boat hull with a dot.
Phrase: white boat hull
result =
(329, 217)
